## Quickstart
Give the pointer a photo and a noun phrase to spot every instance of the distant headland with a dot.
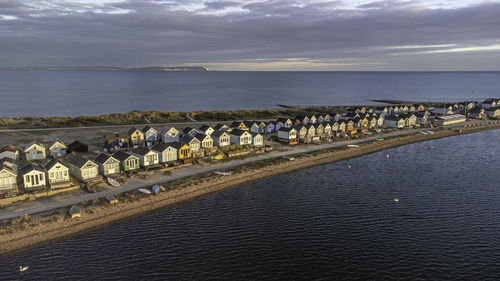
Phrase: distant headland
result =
(109, 68)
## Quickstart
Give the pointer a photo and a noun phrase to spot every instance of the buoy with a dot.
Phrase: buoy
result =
(396, 200)
(349, 166)
(387, 156)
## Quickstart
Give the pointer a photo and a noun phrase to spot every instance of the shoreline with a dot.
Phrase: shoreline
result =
(99, 216)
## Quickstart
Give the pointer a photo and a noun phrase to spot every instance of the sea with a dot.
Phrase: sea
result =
(75, 93)
(337, 221)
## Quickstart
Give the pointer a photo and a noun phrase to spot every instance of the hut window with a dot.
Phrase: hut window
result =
(27, 178)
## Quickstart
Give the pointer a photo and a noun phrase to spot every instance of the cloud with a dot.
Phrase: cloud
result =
(324, 34)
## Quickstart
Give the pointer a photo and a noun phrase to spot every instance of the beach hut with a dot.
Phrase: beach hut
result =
(240, 137)
(166, 152)
(57, 149)
(221, 138)
(193, 142)
(136, 137)
(9, 151)
(257, 139)
(169, 134)
(270, 127)
(150, 135)
(33, 177)
(206, 130)
(312, 119)
(311, 130)
(252, 126)
(206, 141)
(57, 174)
(287, 134)
(35, 151)
(108, 165)
(8, 180)
(84, 169)
(183, 150)
(301, 131)
(147, 157)
(128, 162)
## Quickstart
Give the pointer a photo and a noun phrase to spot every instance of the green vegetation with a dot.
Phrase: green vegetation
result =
(142, 117)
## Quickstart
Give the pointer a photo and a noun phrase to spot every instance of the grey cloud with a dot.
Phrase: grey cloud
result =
(155, 33)
(220, 5)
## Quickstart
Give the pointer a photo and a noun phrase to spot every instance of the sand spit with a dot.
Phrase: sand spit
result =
(44, 228)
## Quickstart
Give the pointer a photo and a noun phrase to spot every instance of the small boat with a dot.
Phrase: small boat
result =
(143, 190)
(162, 188)
(130, 195)
(352, 145)
(111, 199)
(23, 268)
(155, 189)
(430, 132)
(222, 173)
(396, 200)
(218, 157)
(423, 133)
(74, 212)
(113, 182)
(380, 139)
(290, 158)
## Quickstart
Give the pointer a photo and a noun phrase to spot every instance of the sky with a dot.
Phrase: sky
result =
(290, 35)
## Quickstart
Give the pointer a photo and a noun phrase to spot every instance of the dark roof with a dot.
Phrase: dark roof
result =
(351, 114)
(102, 158)
(147, 128)
(200, 137)
(52, 163)
(188, 130)
(132, 130)
(393, 118)
(283, 120)
(238, 132)
(285, 129)
(177, 145)
(204, 128)
(78, 161)
(160, 147)
(2, 166)
(141, 151)
(250, 123)
(122, 155)
(186, 139)
(235, 124)
(219, 126)
(30, 167)
(219, 133)
(301, 117)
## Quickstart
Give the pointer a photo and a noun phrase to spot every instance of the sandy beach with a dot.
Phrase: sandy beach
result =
(43, 228)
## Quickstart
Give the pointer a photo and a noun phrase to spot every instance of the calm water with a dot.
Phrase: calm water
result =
(323, 223)
(72, 93)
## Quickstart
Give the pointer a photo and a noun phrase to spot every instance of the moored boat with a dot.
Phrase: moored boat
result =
(130, 195)
(111, 199)
(222, 173)
(143, 190)
(113, 182)
(352, 145)
(155, 189)
(74, 212)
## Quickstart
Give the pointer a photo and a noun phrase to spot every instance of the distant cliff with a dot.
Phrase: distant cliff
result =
(111, 68)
